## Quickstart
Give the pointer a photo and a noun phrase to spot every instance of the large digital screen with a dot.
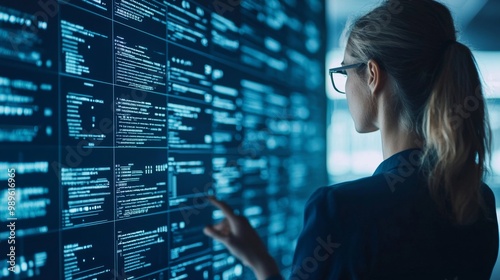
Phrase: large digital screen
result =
(118, 117)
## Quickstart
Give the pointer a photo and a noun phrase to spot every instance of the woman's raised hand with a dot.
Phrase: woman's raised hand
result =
(241, 239)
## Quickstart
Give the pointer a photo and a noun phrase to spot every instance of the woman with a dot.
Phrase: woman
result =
(425, 213)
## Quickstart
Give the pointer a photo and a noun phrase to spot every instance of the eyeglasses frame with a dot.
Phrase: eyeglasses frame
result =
(342, 70)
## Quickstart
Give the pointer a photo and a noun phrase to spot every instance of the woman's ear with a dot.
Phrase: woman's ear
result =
(376, 77)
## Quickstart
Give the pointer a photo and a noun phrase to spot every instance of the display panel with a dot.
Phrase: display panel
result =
(118, 117)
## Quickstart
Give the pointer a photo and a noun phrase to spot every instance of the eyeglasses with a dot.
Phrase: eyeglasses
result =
(339, 76)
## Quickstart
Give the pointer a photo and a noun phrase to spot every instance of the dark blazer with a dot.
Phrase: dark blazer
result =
(387, 227)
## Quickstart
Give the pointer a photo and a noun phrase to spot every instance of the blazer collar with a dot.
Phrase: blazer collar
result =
(399, 159)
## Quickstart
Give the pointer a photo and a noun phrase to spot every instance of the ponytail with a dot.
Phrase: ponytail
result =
(457, 136)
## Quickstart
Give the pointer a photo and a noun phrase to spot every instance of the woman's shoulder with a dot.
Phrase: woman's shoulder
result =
(371, 187)
(487, 192)
(489, 201)
(352, 197)
(375, 194)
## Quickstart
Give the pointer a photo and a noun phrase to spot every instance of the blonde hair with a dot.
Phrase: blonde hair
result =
(437, 94)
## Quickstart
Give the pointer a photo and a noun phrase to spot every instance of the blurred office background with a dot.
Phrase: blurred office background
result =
(351, 155)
